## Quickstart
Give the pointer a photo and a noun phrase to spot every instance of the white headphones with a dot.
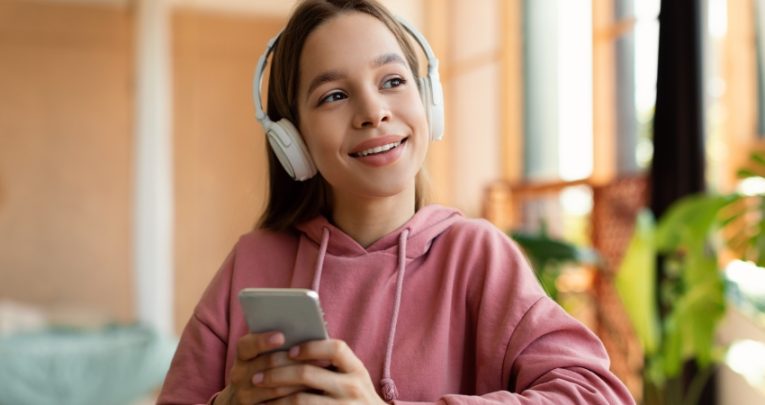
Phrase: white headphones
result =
(285, 139)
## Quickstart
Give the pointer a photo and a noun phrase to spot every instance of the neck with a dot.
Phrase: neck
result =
(367, 220)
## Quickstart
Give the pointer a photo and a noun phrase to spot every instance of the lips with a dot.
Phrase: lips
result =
(380, 151)
(378, 145)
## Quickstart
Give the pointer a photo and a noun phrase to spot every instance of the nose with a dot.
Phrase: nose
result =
(371, 110)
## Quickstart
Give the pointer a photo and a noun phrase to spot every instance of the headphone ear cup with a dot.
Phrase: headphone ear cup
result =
(432, 99)
(290, 149)
(436, 109)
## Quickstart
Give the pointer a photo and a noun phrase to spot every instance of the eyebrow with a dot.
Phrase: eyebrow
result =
(333, 75)
(386, 58)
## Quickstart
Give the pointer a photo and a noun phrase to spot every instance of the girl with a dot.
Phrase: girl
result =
(422, 305)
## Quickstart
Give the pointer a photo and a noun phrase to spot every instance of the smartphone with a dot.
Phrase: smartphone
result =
(293, 311)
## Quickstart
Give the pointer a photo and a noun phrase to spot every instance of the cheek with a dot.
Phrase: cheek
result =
(311, 130)
(320, 143)
(415, 107)
(419, 118)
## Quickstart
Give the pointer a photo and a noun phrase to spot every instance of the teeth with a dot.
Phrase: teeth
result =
(377, 149)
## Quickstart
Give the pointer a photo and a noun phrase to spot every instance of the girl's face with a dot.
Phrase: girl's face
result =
(360, 111)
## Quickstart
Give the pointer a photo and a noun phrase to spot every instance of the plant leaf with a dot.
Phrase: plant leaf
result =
(688, 222)
(757, 157)
(745, 173)
(636, 282)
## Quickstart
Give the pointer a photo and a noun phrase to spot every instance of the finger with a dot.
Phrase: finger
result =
(302, 374)
(303, 398)
(335, 351)
(251, 345)
(272, 393)
(270, 360)
(258, 395)
(320, 363)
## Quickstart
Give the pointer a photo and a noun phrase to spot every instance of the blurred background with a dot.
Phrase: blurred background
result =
(131, 161)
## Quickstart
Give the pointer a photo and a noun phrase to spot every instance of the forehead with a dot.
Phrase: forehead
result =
(346, 41)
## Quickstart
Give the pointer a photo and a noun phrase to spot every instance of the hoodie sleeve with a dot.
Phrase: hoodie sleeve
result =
(197, 371)
(528, 349)
(552, 359)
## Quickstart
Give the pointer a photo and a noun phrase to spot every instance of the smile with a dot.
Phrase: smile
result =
(378, 149)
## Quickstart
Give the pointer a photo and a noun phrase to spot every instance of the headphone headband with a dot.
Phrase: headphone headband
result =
(260, 114)
(432, 60)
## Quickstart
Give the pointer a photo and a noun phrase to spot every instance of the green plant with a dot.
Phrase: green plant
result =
(548, 255)
(745, 219)
(691, 297)
(677, 316)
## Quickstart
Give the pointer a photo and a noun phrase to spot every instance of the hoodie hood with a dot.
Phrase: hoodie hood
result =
(425, 226)
(411, 240)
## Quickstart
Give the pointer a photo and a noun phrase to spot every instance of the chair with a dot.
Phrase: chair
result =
(614, 209)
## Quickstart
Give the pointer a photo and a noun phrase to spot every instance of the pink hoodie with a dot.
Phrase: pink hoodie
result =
(444, 309)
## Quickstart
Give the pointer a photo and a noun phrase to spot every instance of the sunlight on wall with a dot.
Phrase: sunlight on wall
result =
(575, 89)
(718, 18)
(153, 199)
(747, 357)
(646, 61)
(748, 278)
(575, 109)
(752, 186)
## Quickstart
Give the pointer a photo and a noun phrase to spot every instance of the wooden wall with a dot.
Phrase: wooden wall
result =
(66, 156)
(220, 159)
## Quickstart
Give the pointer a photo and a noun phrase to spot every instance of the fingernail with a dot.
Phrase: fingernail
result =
(257, 378)
(294, 351)
(276, 339)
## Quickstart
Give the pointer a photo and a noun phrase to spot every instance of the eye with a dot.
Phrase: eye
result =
(393, 83)
(332, 97)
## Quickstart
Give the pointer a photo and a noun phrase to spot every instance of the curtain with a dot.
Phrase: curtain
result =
(677, 168)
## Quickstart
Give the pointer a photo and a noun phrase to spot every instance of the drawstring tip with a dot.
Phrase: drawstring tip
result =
(389, 391)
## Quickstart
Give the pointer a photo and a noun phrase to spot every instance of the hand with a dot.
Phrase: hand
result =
(251, 360)
(349, 382)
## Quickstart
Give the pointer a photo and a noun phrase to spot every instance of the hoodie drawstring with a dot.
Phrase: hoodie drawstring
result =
(320, 260)
(389, 391)
(388, 386)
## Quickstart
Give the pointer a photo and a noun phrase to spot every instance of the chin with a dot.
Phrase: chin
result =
(383, 189)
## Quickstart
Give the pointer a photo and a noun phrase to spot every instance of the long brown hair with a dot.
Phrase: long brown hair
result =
(291, 202)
